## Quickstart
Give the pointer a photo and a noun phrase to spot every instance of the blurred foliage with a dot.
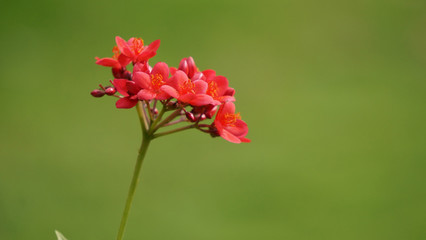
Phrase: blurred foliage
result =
(333, 92)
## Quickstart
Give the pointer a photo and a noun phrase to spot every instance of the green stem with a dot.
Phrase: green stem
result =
(133, 184)
(148, 107)
(160, 115)
(168, 119)
(142, 117)
(136, 172)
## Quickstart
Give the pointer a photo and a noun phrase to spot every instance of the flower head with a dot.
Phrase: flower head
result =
(194, 96)
(187, 91)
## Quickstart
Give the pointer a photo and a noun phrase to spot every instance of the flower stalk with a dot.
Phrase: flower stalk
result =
(190, 95)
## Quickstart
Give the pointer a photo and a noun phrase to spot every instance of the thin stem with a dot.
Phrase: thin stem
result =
(160, 115)
(173, 131)
(167, 120)
(175, 122)
(142, 117)
(154, 105)
(142, 151)
(148, 107)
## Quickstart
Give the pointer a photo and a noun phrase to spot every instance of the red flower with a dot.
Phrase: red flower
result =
(129, 90)
(183, 89)
(218, 87)
(135, 50)
(229, 124)
(118, 62)
(151, 83)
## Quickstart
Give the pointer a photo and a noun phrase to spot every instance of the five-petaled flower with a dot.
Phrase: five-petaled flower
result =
(229, 124)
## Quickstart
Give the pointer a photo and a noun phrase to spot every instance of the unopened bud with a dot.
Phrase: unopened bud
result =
(155, 111)
(210, 111)
(97, 93)
(202, 117)
(110, 91)
(190, 116)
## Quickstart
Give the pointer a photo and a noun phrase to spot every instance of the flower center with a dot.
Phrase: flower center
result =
(116, 52)
(137, 45)
(157, 81)
(187, 87)
(230, 118)
(212, 89)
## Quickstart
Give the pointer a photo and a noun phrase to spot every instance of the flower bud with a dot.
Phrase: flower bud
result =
(97, 93)
(210, 111)
(155, 111)
(183, 66)
(110, 91)
(202, 117)
(191, 67)
(190, 116)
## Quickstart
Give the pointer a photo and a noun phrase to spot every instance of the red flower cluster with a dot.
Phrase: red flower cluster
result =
(194, 95)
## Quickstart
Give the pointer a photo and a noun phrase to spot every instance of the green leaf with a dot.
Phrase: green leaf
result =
(59, 235)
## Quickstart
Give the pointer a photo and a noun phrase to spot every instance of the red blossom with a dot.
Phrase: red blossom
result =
(218, 87)
(129, 90)
(135, 49)
(229, 124)
(151, 83)
(186, 91)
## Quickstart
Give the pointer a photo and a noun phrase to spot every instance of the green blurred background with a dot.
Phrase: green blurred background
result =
(334, 93)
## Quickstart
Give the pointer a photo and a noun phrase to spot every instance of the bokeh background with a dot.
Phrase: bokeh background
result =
(334, 93)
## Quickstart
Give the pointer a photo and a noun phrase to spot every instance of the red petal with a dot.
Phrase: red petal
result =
(142, 79)
(201, 100)
(187, 98)
(210, 74)
(124, 60)
(224, 99)
(132, 88)
(121, 86)
(179, 78)
(161, 68)
(162, 96)
(228, 107)
(142, 67)
(146, 94)
(108, 62)
(198, 76)
(229, 136)
(239, 129)
(222, 84)
(200, 86)
(172, 70)
(229, 92)
(170, 90)
(126, 103)
(123, 47)
(149, 51)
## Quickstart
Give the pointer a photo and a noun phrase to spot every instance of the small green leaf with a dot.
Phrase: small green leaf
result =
(59, 235)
